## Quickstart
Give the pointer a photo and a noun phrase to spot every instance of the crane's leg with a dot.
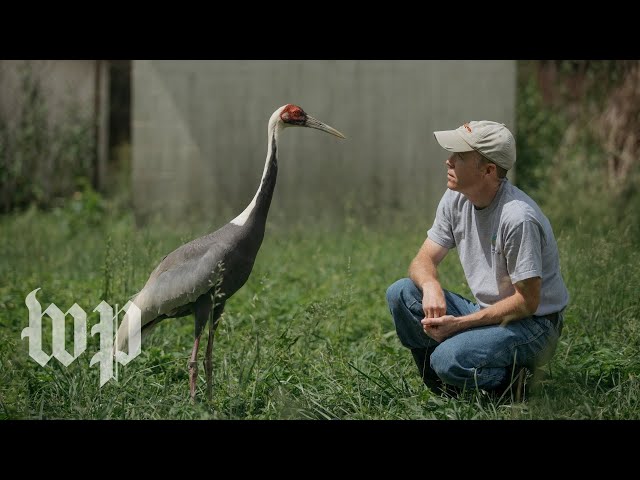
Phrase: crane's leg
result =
(193, 369)
(208, 365)
(201, 310)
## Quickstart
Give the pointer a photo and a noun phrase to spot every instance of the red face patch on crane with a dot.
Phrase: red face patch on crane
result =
(466, 125)
(293, 114)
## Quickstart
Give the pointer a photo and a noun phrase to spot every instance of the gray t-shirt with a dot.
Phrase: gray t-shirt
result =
(508, 241)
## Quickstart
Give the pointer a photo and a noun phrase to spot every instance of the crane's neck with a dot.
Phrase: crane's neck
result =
(257, 211)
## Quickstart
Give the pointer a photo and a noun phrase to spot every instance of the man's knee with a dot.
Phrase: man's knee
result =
(446, 364)
(455, 368)
(398, 292)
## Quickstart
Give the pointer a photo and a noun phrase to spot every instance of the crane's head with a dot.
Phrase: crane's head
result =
(294, 116)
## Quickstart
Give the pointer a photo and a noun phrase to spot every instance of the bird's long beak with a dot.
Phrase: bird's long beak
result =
(313, 123)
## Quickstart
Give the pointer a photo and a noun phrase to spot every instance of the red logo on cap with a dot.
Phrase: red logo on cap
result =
(466, 125)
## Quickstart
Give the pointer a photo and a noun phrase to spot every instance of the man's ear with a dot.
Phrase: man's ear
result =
(490, 167)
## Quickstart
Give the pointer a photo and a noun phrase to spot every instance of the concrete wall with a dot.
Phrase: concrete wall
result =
(62, 81)
(199, 133)
(82, 85)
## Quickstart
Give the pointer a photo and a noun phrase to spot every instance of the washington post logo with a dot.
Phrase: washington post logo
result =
(106, 357)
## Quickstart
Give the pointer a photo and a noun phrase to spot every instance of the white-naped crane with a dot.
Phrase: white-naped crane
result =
(200, 276)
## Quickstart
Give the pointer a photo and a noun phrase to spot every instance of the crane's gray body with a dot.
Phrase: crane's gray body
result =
(222, 261)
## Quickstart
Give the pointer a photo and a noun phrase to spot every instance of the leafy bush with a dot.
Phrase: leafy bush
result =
(578, 146)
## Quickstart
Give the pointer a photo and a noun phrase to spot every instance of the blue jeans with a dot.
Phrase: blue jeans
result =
(480, 357)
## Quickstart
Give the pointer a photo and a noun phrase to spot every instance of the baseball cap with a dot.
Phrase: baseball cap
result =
(491, 139)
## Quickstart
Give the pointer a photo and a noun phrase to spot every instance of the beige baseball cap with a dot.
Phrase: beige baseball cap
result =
(491, 139)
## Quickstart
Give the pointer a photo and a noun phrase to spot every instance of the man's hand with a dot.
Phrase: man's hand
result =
(440, 328)
(521, 304)
(433, 302)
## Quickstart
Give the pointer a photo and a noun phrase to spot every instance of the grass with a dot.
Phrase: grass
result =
(308, 337)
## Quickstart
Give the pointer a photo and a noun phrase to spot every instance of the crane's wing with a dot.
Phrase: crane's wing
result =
(189, 272)
(182, 277)
(179, 279)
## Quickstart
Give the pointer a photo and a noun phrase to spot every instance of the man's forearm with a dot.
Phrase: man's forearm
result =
(506, 310)
(423, 271)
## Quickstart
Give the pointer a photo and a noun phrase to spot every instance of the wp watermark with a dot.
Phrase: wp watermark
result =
(108, 355)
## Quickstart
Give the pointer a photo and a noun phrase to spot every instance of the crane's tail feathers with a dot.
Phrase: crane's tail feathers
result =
(134, 321)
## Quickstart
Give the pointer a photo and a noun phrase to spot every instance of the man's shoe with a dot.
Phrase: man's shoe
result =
(514, 386)
(427, 374)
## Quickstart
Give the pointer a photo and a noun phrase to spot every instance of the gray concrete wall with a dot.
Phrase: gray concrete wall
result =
(79, 85)
(199, 133)
(63, 82)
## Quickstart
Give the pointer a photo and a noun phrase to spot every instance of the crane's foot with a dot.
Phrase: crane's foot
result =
(193, 375)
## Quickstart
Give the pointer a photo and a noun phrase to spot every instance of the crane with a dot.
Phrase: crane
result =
(200, 276)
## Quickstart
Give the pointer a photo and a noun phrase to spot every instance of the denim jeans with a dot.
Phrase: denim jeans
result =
(480, 357)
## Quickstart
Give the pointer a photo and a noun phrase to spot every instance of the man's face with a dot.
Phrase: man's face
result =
(463, 174)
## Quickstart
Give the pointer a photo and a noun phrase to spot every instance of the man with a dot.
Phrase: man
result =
(510, 259)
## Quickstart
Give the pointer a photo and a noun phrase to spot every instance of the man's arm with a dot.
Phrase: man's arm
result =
(423, 271)
(523, 303)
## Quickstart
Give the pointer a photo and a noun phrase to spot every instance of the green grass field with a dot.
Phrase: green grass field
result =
(308, 337)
